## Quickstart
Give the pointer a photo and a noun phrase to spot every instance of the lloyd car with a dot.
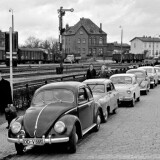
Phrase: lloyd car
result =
(60, 112)
(127, 86)
(105, 94)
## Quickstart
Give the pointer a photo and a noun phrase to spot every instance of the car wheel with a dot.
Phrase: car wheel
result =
(105, 117)
(19, 148)
(146, 92)
(133, 102)
(73, 139)
(98, 122)
(138, 99)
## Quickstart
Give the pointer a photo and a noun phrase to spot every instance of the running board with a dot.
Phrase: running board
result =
(88, 129)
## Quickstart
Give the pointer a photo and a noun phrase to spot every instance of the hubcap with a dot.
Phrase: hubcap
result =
(76, 137)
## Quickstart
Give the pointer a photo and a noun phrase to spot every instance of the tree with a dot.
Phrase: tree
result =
(32, 42)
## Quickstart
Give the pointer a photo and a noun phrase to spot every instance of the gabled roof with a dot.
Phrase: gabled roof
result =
(147, 39)
(87, 24)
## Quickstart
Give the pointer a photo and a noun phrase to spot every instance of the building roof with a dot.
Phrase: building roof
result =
(87, 24)
(147, 39)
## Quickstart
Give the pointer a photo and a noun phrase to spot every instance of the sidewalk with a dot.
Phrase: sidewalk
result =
(6, 148)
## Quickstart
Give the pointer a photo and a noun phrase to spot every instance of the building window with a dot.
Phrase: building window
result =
(100, 40)
(79, 40)
(79, 50)
(90, 51)
(100, 51)
(94, 50)
(134, 45)
(84, 50)
(94, 40)
(81, 32)
(149, 45)
(145, 45)
(84, 40)
(90, 41)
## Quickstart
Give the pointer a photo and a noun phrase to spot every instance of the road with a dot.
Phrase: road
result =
(132, 133)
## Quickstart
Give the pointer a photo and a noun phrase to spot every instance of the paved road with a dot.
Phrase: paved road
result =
(133, 133)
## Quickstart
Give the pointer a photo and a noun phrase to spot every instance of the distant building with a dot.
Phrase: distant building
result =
(149, 45)
(116, 47)
(2, 39)
(85, 38)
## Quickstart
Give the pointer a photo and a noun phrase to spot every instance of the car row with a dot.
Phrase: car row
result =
(63, 112)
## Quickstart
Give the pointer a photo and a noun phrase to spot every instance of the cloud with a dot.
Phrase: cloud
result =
(40, 18)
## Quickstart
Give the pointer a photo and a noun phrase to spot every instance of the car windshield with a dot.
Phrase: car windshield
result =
(149, 70)
(139, 74)
(121, 80)
(98, 88)
(52, 96)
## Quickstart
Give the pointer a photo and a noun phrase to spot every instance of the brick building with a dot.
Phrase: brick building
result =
(85, 38)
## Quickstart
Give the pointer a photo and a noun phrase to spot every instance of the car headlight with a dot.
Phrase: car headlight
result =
(128, 91)
(59, 127)
(15, 127)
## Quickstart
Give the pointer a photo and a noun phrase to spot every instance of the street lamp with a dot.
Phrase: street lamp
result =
(121, 40)
(61, 13)
(11, 10)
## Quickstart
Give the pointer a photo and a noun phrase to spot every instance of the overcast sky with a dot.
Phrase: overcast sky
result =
(39, 18)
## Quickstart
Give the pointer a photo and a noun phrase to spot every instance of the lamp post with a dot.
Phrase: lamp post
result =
(61, 13)
(11, 30)
(11, 10)
(121, 40)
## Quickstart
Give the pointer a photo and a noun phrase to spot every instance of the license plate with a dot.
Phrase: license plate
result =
(32, 141)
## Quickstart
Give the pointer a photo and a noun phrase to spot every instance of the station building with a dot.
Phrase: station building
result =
(85, 38)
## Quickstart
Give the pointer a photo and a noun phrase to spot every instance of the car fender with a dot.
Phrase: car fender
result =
(70, 121)
(97, 109)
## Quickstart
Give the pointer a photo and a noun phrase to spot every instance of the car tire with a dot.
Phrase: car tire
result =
(72, 141)
(114, 111)
(19, 148)
(98, 122)
(132, 104)
(138, 99)
(105, 118)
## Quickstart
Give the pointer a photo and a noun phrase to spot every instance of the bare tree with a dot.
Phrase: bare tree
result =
(32, 42)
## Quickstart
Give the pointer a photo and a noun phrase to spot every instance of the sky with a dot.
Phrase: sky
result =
(39, 18)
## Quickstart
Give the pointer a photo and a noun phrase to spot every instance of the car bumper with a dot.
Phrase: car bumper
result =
(45, 140)
(143, 89)
(125, 98)
(152, 82)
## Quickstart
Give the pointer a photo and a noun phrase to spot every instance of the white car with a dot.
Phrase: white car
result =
(151, 71)
(158, 72)
(105, 95)
(127, 86)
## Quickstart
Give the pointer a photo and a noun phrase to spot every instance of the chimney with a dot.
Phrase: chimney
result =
(100, 29)
(67, 26)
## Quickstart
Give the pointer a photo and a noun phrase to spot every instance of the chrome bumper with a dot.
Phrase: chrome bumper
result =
(45, 140)
(125, 98)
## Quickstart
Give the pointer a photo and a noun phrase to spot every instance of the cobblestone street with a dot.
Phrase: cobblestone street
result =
(132, 133)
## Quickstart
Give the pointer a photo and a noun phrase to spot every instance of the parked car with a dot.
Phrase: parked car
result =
(151, 71)
(105, 95)
(60, 112)
(127, 86)
(142, 78)
(158, 72)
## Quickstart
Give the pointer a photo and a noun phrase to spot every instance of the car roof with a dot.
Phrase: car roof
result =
(123, 74)
(146, 67)
(138, 69)
(71, 85)
(98, 80)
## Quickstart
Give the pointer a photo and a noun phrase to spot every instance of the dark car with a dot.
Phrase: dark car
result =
(60, 112)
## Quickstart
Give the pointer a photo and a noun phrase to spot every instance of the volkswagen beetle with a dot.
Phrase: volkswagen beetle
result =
(105, 94)
(60, 112)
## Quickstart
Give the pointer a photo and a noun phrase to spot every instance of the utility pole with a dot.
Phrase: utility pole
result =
(61, 13)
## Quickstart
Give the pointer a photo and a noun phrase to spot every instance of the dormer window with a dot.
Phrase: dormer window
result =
(100, 40)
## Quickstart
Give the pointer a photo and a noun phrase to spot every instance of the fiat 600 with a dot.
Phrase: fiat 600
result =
(127, 86)
(105, 94)
(142, 78)
(60, 112)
